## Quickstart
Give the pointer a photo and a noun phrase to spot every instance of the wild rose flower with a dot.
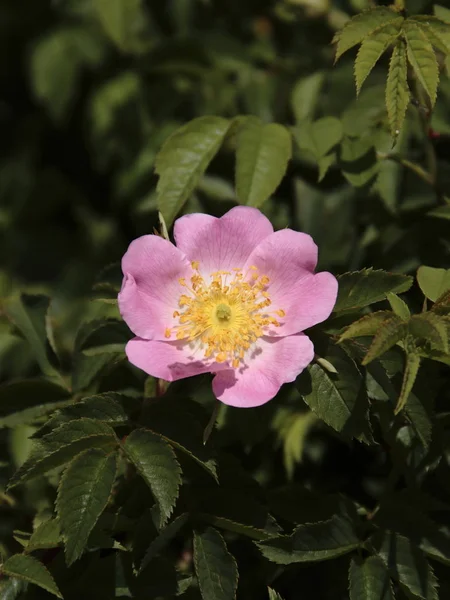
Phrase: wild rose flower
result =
(231, 298)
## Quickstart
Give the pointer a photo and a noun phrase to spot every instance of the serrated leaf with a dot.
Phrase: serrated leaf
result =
(441, 212)
(108, 407)
(422, 59)
(409, 376)
(312, 542)
(83, 494)
(361, 288)
(215, 567)
(392, 331)
(22, 402)
(367, 325)
(420, 418)
(62, 444)
(437, 31)
(334, 397)
(28, 568)
(433, 282)
(163, 538)
(369, 580)
(432, 328)
(273, 595)
(28, 314)
(362, 25)
(399, 306)
(371, 50)
(183, 159)
(407, 565)
(174, 422)
(262, 156)
(156, 462)
(397, 90)
(47, 535)
(122, 21)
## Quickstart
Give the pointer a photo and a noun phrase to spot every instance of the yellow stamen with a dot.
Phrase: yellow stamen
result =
(224, 313)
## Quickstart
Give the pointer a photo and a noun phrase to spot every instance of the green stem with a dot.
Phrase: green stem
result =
(415, 168)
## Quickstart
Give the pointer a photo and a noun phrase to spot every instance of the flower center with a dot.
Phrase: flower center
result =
(226, 314)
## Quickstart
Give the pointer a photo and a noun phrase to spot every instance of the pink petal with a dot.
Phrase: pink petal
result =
(150, 290)
(288, 258)
(186, 228)
(225, 243)
(273, 361)
(169, 360)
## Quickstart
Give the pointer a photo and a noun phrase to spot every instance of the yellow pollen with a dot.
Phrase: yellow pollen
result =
(225, 313)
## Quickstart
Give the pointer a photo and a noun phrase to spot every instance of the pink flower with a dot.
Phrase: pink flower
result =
(231, 298)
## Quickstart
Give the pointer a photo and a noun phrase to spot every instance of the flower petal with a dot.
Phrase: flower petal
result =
(274, 361)
(288, 258)
(187, 227)
(150, 290)
(225, 243)
(169, 360)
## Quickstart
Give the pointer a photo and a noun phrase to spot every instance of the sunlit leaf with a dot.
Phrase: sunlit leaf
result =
(433, 282)
(423, 59)
(371, 50)
(409, 376)
(184, 158)
(262, 156)
(397, 90)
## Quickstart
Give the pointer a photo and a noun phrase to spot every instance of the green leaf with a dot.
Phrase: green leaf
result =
(83, 493)
(293, 426)
(216, 568)
(358, 160)
(392, 331)
(273, 595)
(433, 282)
(174, 422)
(431, 328)
(362, 25)
(367, 325)
(399, 306)
(122, 21)
(22, 402)
(31, 570)
(372, 48)
(420, 418)
(361, 288)
(28, 314)
(319, 137)
(369, 580)
(156, 462)
(335, 398)
(62, 444)
(108, 407)
(422, 59)
(184, 158)
(161, 541)
(407, 565)
(437, 31)
(262, 156)
(312, 542)
(305, 94)
(441, 212)
(12, 589)
(47, 535)
(409, 376)
(56, 65)
(397, 90)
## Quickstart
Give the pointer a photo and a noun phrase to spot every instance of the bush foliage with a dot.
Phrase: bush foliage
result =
(117, 485)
